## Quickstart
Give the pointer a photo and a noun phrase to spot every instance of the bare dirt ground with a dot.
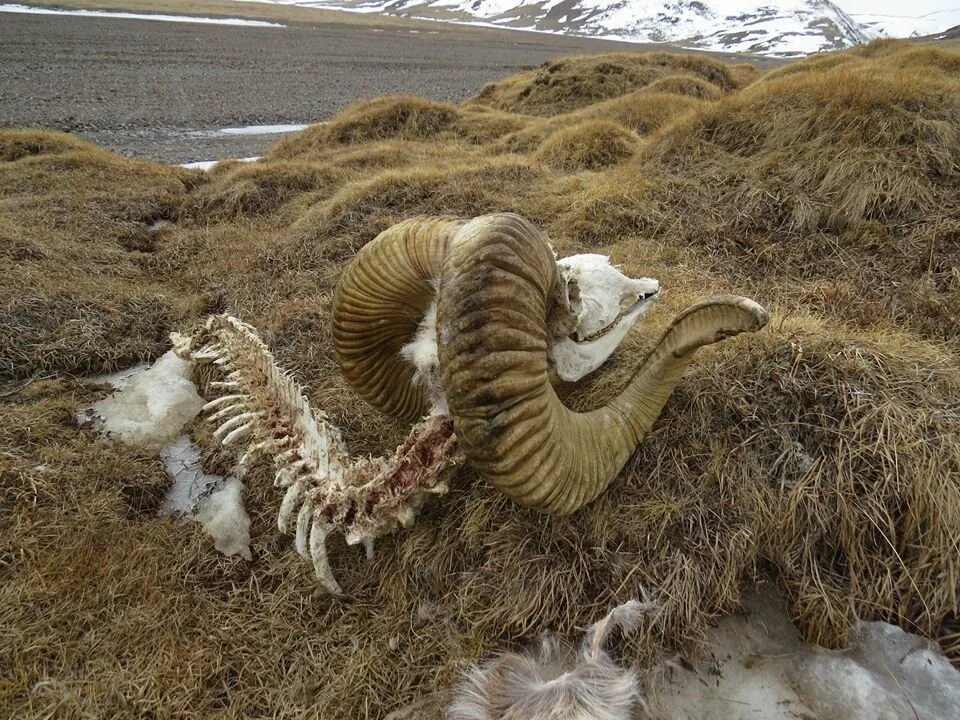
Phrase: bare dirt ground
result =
(156, 89)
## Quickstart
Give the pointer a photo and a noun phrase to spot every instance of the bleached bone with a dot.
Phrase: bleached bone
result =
(595, 306)
(600, 305)
(325, 489)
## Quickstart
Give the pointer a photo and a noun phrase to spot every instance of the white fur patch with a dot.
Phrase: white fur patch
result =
(553, 682)
(422, 353)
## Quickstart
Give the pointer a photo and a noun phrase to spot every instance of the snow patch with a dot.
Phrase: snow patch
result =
(119, 379)
(207, 164)
(894, 18)
(214, 502)
(261, 129)
(756, 666)
(31, 10)
(225, 519)
(150, 407)
(785, 28)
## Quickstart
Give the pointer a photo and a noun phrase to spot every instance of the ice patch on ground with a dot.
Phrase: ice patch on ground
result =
(207, 164)
(190, 484)
(756, 665)
(119, 379)
(151, 406)
(261, 129)
(225, 519)
(277, 129)
(212, 501)
(29, 9)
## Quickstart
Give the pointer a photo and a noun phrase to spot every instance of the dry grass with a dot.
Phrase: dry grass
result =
(839, 185)
(824, 451)
(588, 145)
(571, 83)
(242, 190)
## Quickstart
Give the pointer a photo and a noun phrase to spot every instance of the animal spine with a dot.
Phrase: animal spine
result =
(325, 490)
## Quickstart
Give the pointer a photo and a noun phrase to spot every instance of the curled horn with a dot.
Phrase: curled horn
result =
(380, 300)
(498, 273)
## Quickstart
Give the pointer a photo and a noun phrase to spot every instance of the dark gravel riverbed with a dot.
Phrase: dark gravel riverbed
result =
(153, 89)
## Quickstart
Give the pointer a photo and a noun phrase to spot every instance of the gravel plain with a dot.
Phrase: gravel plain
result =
(159, 89)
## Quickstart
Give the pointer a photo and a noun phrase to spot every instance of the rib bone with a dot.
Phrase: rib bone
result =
(327, 490)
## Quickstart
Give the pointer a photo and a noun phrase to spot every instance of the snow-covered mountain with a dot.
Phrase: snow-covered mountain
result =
(772, 27)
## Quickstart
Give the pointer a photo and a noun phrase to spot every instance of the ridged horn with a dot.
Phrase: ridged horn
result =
(379, 302)
(496, 281)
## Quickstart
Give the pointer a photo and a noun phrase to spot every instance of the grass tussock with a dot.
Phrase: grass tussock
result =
(640, 112)
(589, 145)
(842, 182)
(397, 119)
(572, 83)
(685, 84)
(334, 230)
(644, 111)
(256, 190)
(822, 452)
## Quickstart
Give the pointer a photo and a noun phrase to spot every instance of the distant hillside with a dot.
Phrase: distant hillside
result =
(783, 28)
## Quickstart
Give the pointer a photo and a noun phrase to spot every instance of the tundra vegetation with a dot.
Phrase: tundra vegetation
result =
(823, 452)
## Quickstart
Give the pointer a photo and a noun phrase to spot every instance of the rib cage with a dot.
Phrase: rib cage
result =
(325, 489)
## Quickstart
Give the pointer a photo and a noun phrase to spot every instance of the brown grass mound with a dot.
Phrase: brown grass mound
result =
(765, 454)
(644, 112)
(641, 112)
(75, 224)
(844, 180)
(822, 452)
(589, 145)
(334, 230)
(256, 190)
(398, 118)
(17, 144)
(685, 84)
(572, 83)
(591, 212)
